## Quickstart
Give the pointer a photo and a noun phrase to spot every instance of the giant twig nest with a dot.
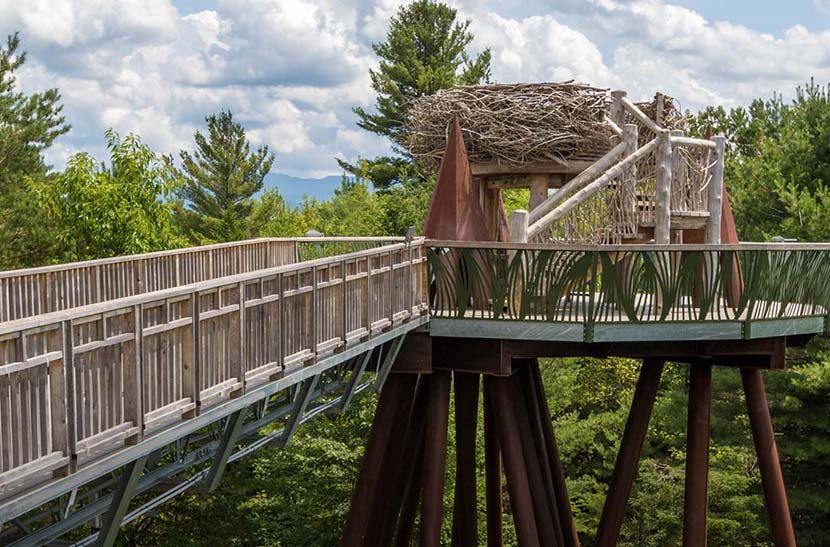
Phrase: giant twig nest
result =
(514, 124)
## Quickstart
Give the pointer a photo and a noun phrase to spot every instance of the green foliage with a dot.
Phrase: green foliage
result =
(220, 180)
(778, 166)
(100, 212)
(424, 52)
(28, 125)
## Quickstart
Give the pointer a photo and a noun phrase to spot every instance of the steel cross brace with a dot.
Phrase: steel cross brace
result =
(388, 361)
(303, 397)
(220, 459)
(120, 502)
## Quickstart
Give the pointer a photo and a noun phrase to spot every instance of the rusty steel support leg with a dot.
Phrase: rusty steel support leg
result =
(412, 496)
(435, 455)
(768, 462)
(492, 472)
(628, 457)
(696, 504)
(541, 485)
(514, 463)
(386, 416)
(465, 511)
(560, 487)
(401, 454)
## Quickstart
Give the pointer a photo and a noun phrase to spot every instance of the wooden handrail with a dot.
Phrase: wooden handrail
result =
(684, 247)
(106, 374)
(640, 115)
(590, 174)
(542, 223)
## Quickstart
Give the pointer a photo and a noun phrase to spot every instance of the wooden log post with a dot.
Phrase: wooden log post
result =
(518, 226)
(662, 212)
(772, 479)
(538, 190)
(659, 105)
(715, 198)
(617, 110)
(696, 502)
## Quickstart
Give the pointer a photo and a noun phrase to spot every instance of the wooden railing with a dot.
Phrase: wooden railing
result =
(79, 383)
(34, 291)
(651, 178)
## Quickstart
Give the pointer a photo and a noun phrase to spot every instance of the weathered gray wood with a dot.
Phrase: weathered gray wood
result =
(538, 190)
(640, 115)
(616, 110)
(518, 223)
(580, 196)
(713, 225)
(586, 176)
(662, 213)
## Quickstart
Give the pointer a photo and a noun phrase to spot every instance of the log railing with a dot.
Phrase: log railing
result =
(643, 284)
(651, 178)
(79, 383)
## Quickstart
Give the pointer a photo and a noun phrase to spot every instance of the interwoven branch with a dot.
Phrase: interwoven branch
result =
(512, 123)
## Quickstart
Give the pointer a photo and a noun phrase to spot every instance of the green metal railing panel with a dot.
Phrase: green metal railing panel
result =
(629, 284)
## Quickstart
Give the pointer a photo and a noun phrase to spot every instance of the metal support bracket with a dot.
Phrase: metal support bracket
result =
(220, 459)
(354, 380)
(120, 502)
(301, 401)
(388, 361)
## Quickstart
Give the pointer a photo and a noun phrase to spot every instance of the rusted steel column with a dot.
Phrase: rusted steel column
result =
(492, 470)
(628, 457)
(435, 455)
(465, 512)
(541, 485)
(398, 465)
(773, 481)
(514, 463)
(563, 501)
(414, 486)
(387, 415)
(696, 503)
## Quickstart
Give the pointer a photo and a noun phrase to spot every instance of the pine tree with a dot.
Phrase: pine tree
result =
(28, 125)
(220, 180)
(425, 51)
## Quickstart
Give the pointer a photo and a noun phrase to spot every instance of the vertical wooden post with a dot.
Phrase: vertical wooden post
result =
(696, 504)
(617, 110)
(241, 357)
(662, 212)
(628, 457)
(195, 376)
(132, 376)
(57, 404)
(538, 189)
(713, 226)
(69, 394)
(772, 479)
(518, 226)
(659, 105)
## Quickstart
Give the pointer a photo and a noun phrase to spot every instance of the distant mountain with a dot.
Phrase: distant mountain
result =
(293, 188)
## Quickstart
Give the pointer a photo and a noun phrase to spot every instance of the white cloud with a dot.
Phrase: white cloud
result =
(291, 70)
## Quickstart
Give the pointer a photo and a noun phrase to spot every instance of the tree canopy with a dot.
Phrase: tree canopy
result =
(220, 179)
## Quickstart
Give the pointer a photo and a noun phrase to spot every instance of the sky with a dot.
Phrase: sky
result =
(292, 70)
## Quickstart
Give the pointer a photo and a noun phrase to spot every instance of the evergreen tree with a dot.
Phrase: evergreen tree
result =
(425, 51)
(220, 180)
(28, 125)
